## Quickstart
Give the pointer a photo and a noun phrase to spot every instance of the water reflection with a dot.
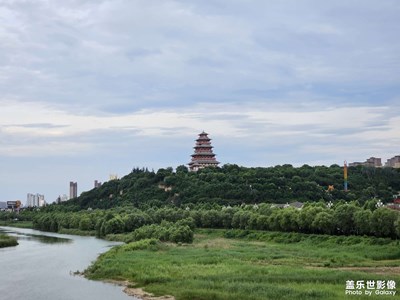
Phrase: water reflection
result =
(45, 239)
(42, 264)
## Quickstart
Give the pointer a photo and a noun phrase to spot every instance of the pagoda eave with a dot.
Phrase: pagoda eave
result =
(204, 162)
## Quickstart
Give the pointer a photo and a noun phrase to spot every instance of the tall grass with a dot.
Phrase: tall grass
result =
(215, 267)
(18, 224)
(7, 241)
(75, 231)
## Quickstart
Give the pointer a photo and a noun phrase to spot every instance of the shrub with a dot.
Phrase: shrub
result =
(166, 232)
(145, 244)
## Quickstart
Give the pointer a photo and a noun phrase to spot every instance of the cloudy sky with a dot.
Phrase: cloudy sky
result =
(93, 87)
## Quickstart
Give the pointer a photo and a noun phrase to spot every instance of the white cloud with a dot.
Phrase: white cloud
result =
(141, 52)
(338, 126)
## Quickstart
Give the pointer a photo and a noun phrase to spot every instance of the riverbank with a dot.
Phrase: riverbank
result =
(223, 264)
(44, 262)
(7, 241)
(130, 290)
(17, 224)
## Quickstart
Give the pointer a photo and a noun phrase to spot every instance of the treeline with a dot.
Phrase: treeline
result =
(234, 185)
(103, 223)
(177, 224)
(27, 215)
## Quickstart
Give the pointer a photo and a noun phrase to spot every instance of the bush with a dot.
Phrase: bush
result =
(7, 241)
(180, 234)
(85, 224)
(145, 244)
(114, 225)
(166, 232)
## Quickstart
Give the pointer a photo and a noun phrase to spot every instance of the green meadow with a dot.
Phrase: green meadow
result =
(241, 264)
(18, 224)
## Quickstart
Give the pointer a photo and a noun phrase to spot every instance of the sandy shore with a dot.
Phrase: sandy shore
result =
(139, 292)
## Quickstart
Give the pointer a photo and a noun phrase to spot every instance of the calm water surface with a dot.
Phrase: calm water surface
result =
(40, 267)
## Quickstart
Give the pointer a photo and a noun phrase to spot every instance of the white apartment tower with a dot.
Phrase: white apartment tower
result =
(35, 200)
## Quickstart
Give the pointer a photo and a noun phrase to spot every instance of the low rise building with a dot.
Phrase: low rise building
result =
(375, 162)
(393, 162)
(395, 204)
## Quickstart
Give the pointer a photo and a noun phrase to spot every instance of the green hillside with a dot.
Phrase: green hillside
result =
(233, 185)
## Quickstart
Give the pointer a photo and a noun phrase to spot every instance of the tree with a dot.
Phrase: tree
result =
(397, 227)
(85, 223)
(135, 220)
(182, 169)
(211, 219)
(306, 217)
(323, 223)
(343, 217)
(383, 222)
(371, 204)
(181, 234)
(288, 219)
(114, 225)
(362, 220)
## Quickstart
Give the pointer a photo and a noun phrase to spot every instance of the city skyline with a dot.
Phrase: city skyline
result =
(98, 87)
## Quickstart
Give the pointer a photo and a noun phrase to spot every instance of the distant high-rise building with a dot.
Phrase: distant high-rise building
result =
(97, 184)
(42, 202)
(61, 198)
(393, 162)
(203, 155)
(73, 190)
(35, 200)
(30, 200)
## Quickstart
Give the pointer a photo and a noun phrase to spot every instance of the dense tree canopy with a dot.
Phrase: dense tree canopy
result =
(235, 185)
(176, 224)
(167, 205)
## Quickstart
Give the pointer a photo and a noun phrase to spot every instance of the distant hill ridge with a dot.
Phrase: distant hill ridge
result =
(234, 185)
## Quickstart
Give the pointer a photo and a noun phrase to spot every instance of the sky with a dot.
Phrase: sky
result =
(90, 88)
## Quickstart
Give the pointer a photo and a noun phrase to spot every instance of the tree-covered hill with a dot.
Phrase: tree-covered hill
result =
(232, 185)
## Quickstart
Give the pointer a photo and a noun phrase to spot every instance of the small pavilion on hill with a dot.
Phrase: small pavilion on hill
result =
(203, 155)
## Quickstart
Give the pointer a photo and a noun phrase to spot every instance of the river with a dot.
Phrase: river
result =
(41, 267)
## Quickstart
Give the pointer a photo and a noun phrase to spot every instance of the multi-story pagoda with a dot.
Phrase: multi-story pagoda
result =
(203, 155)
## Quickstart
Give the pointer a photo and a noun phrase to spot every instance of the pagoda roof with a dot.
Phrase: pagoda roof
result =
(202, 162)
(203, 154)
(203, 139)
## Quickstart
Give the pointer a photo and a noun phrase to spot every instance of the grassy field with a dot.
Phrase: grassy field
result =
(7, 241)
(77, 232)
(18, 224)
(251, 265)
